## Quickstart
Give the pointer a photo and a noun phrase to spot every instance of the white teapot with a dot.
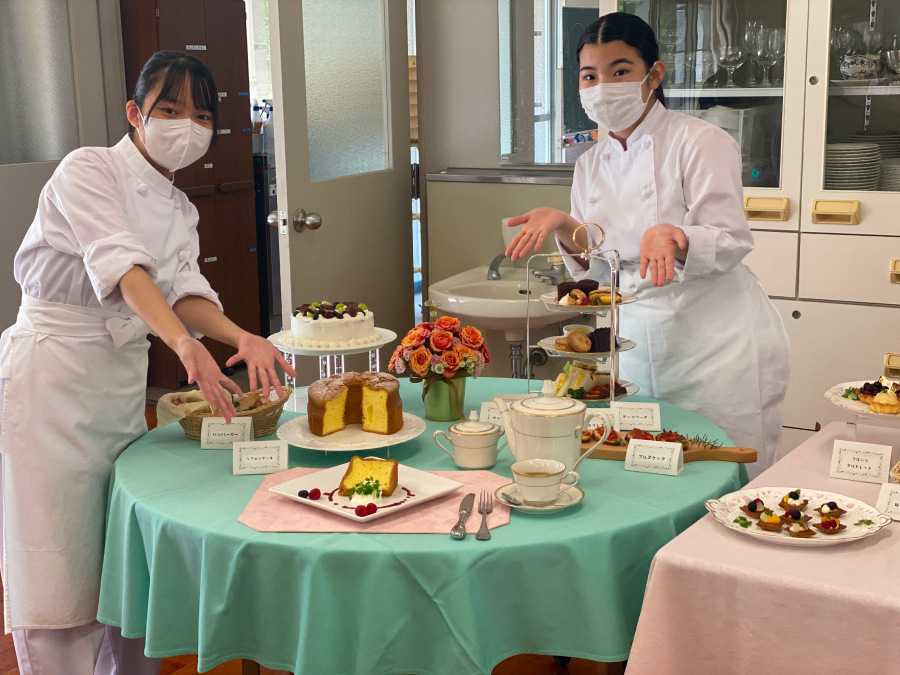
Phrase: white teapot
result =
(474, 443)
(548, 427)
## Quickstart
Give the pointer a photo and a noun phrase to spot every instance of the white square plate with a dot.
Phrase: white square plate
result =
(413, 487)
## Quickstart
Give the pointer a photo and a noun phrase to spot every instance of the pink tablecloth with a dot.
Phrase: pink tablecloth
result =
(269, 512)
(718, 602)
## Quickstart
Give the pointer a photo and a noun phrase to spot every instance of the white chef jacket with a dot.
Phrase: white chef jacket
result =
(710, 341)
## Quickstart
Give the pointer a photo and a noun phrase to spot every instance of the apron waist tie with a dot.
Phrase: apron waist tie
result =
(51, 318)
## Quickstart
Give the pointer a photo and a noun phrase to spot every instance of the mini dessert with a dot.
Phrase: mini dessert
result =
(886, 403)
(868, 391)
(754, 508)
(600, 340)
(370, 399)
(672, 437)
(585, 286)
(381, 471)
(603, 296)
(562, 344)
(333, 325)
(795, 516)
(579, 342)
(639, 435)
(800, 530)
(830, 509)
(793, 500)
(769, 521)
(587, 436)
(829, 525)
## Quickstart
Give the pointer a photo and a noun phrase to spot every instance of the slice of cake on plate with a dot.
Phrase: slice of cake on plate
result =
(360, 470)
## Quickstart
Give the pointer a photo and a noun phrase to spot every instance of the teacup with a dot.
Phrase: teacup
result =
(474, 443)
(539, 481)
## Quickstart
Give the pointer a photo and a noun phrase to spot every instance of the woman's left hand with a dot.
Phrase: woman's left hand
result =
(659, 247)
(260, 355)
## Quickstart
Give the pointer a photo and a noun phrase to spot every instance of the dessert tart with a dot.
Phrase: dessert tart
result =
(584, 287)
(800, 530)
(793, 500)
(602, 296)
(639, 435)
(672, 437)
(830, 525)
(795, 516)
(754, 508)
(830, 509)
(769, 521)
(886, 402)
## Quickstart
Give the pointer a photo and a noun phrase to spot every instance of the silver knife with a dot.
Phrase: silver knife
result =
(465, 508)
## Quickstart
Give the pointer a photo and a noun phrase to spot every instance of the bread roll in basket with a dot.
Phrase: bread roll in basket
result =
(265, 416)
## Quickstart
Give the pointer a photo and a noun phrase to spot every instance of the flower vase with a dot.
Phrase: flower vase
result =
(444, 402)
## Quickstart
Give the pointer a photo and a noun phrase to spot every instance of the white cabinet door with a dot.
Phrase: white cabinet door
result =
(832, 343)
(774, 260)
(849, 269)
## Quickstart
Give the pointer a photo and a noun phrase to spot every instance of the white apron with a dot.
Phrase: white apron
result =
(72, 392)
(710, 341)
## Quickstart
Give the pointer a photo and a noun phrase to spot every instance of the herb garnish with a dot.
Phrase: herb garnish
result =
(851, 393)
(864, 521)
(576, 393)
(743, 522)
(367, 487)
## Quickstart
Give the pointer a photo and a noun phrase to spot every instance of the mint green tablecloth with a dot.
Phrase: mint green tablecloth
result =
(180, 570)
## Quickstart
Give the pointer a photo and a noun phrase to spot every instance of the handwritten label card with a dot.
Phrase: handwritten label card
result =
(638, 415)
(217, 435)
(861, 461)
(889, 500)
(595, 422)
(260, 457)
(654, 457)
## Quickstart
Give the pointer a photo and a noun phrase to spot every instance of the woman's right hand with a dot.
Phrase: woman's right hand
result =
(202, 368)
(538, 225)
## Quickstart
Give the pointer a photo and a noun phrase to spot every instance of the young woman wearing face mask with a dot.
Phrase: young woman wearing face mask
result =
(666, 188)
(110, 256)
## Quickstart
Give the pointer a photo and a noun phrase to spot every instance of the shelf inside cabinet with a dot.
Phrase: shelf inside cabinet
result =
(725, 92)
(862, 90)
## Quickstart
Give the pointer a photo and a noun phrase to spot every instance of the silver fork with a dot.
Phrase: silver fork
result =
(485, 506)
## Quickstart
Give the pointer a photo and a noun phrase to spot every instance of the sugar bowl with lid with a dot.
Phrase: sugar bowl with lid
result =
(473, 443)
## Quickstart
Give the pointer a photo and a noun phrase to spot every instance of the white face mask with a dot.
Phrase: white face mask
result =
(614, 105)
(174, 144)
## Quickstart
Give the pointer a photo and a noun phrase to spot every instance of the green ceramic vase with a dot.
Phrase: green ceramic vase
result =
(441, 402)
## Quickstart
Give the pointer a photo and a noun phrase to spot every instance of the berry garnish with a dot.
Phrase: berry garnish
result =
(796, 515)
(314, 317)
(793, 494)
(832, 505)
(315, 493)
(758, 500)
(303, 494)
(351, 312)
(751, 507)
(331, 314)
(360, 511)
(371, 508)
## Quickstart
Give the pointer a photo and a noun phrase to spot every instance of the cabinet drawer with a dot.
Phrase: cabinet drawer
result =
(774, 260)
(848, 268)
(832, 343)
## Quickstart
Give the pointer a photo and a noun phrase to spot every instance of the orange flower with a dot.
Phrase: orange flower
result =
(420, 361)
(417, 336)
(447, 323)
(464, 351)
(441, 340)
(471, 337)
(450, 359)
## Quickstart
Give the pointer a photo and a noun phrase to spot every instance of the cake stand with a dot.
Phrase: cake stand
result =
(331, 359)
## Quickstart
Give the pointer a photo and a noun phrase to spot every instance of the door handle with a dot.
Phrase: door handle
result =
(767, 208)
(278, 219)
(304, 221)
(895, 270)
(836, 211)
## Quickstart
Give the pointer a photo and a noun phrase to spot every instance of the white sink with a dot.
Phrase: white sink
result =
(497, 305)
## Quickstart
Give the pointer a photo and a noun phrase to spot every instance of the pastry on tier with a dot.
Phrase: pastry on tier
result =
(793, 500)
(830, 509)
(339, 325)
(800, 530)
(769, 521)
(754, 508)
(886, 403)
(370, 399)
(362, 475)
(830, 525)
(795, 516)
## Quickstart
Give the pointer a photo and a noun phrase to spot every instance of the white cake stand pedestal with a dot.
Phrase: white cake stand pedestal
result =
(331, 361)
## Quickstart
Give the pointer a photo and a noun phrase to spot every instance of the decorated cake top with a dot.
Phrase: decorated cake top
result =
(331, 310)
(329, 388)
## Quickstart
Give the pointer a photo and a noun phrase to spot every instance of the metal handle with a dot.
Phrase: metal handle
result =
(304, 221)
(459, 530)
(273, 219)
(767, 208)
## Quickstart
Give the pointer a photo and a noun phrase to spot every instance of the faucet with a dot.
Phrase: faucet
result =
(556, 274)
(494, 269)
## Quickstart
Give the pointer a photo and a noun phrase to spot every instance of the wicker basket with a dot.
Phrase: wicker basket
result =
(265, 417)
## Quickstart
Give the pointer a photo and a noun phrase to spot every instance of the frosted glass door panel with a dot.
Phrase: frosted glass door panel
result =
(346, 87)
(38, 115)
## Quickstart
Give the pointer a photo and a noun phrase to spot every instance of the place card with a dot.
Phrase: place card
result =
(638, 415)
(612, 413)
(260, 457)
(889, 500)
(864, 462)
(654, 457)
(217, 434)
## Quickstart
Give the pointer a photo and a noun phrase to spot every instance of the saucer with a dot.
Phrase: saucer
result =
(569, 497)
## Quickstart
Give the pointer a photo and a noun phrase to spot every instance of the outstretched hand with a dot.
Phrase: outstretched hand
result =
(260, 355)
(659, 247)
(538, 225)
(203, 370)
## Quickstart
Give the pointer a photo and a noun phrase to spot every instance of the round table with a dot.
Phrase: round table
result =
(181, 571)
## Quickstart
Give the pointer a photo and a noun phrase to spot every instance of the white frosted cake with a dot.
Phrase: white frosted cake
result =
(333, 326)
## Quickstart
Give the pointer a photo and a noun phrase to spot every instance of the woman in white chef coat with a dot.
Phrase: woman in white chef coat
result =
(666, 188)
(111, 255)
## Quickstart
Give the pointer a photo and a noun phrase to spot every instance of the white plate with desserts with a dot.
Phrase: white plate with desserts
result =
(855, 519)
(551, 302)
(350, 439)
(550, 346)
(837, 396)
(286, 342)
(333, 489)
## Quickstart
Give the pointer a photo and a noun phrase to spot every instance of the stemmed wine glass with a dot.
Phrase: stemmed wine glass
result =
(841, 41)
(777, 45)
(751, 44)
(730, 58)
(766, 54)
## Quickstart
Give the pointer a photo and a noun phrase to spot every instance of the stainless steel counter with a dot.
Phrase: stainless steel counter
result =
(530, 175)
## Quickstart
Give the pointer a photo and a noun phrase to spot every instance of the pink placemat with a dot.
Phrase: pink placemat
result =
(269, 512)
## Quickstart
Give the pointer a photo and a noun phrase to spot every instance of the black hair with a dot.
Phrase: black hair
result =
(173, 68)
(630, 29)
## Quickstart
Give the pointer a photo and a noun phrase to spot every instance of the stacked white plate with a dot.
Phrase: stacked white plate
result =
(890, 175)
(888, 141)
(852, 166)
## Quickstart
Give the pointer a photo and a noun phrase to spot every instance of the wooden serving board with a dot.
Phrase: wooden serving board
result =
(694, 453)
